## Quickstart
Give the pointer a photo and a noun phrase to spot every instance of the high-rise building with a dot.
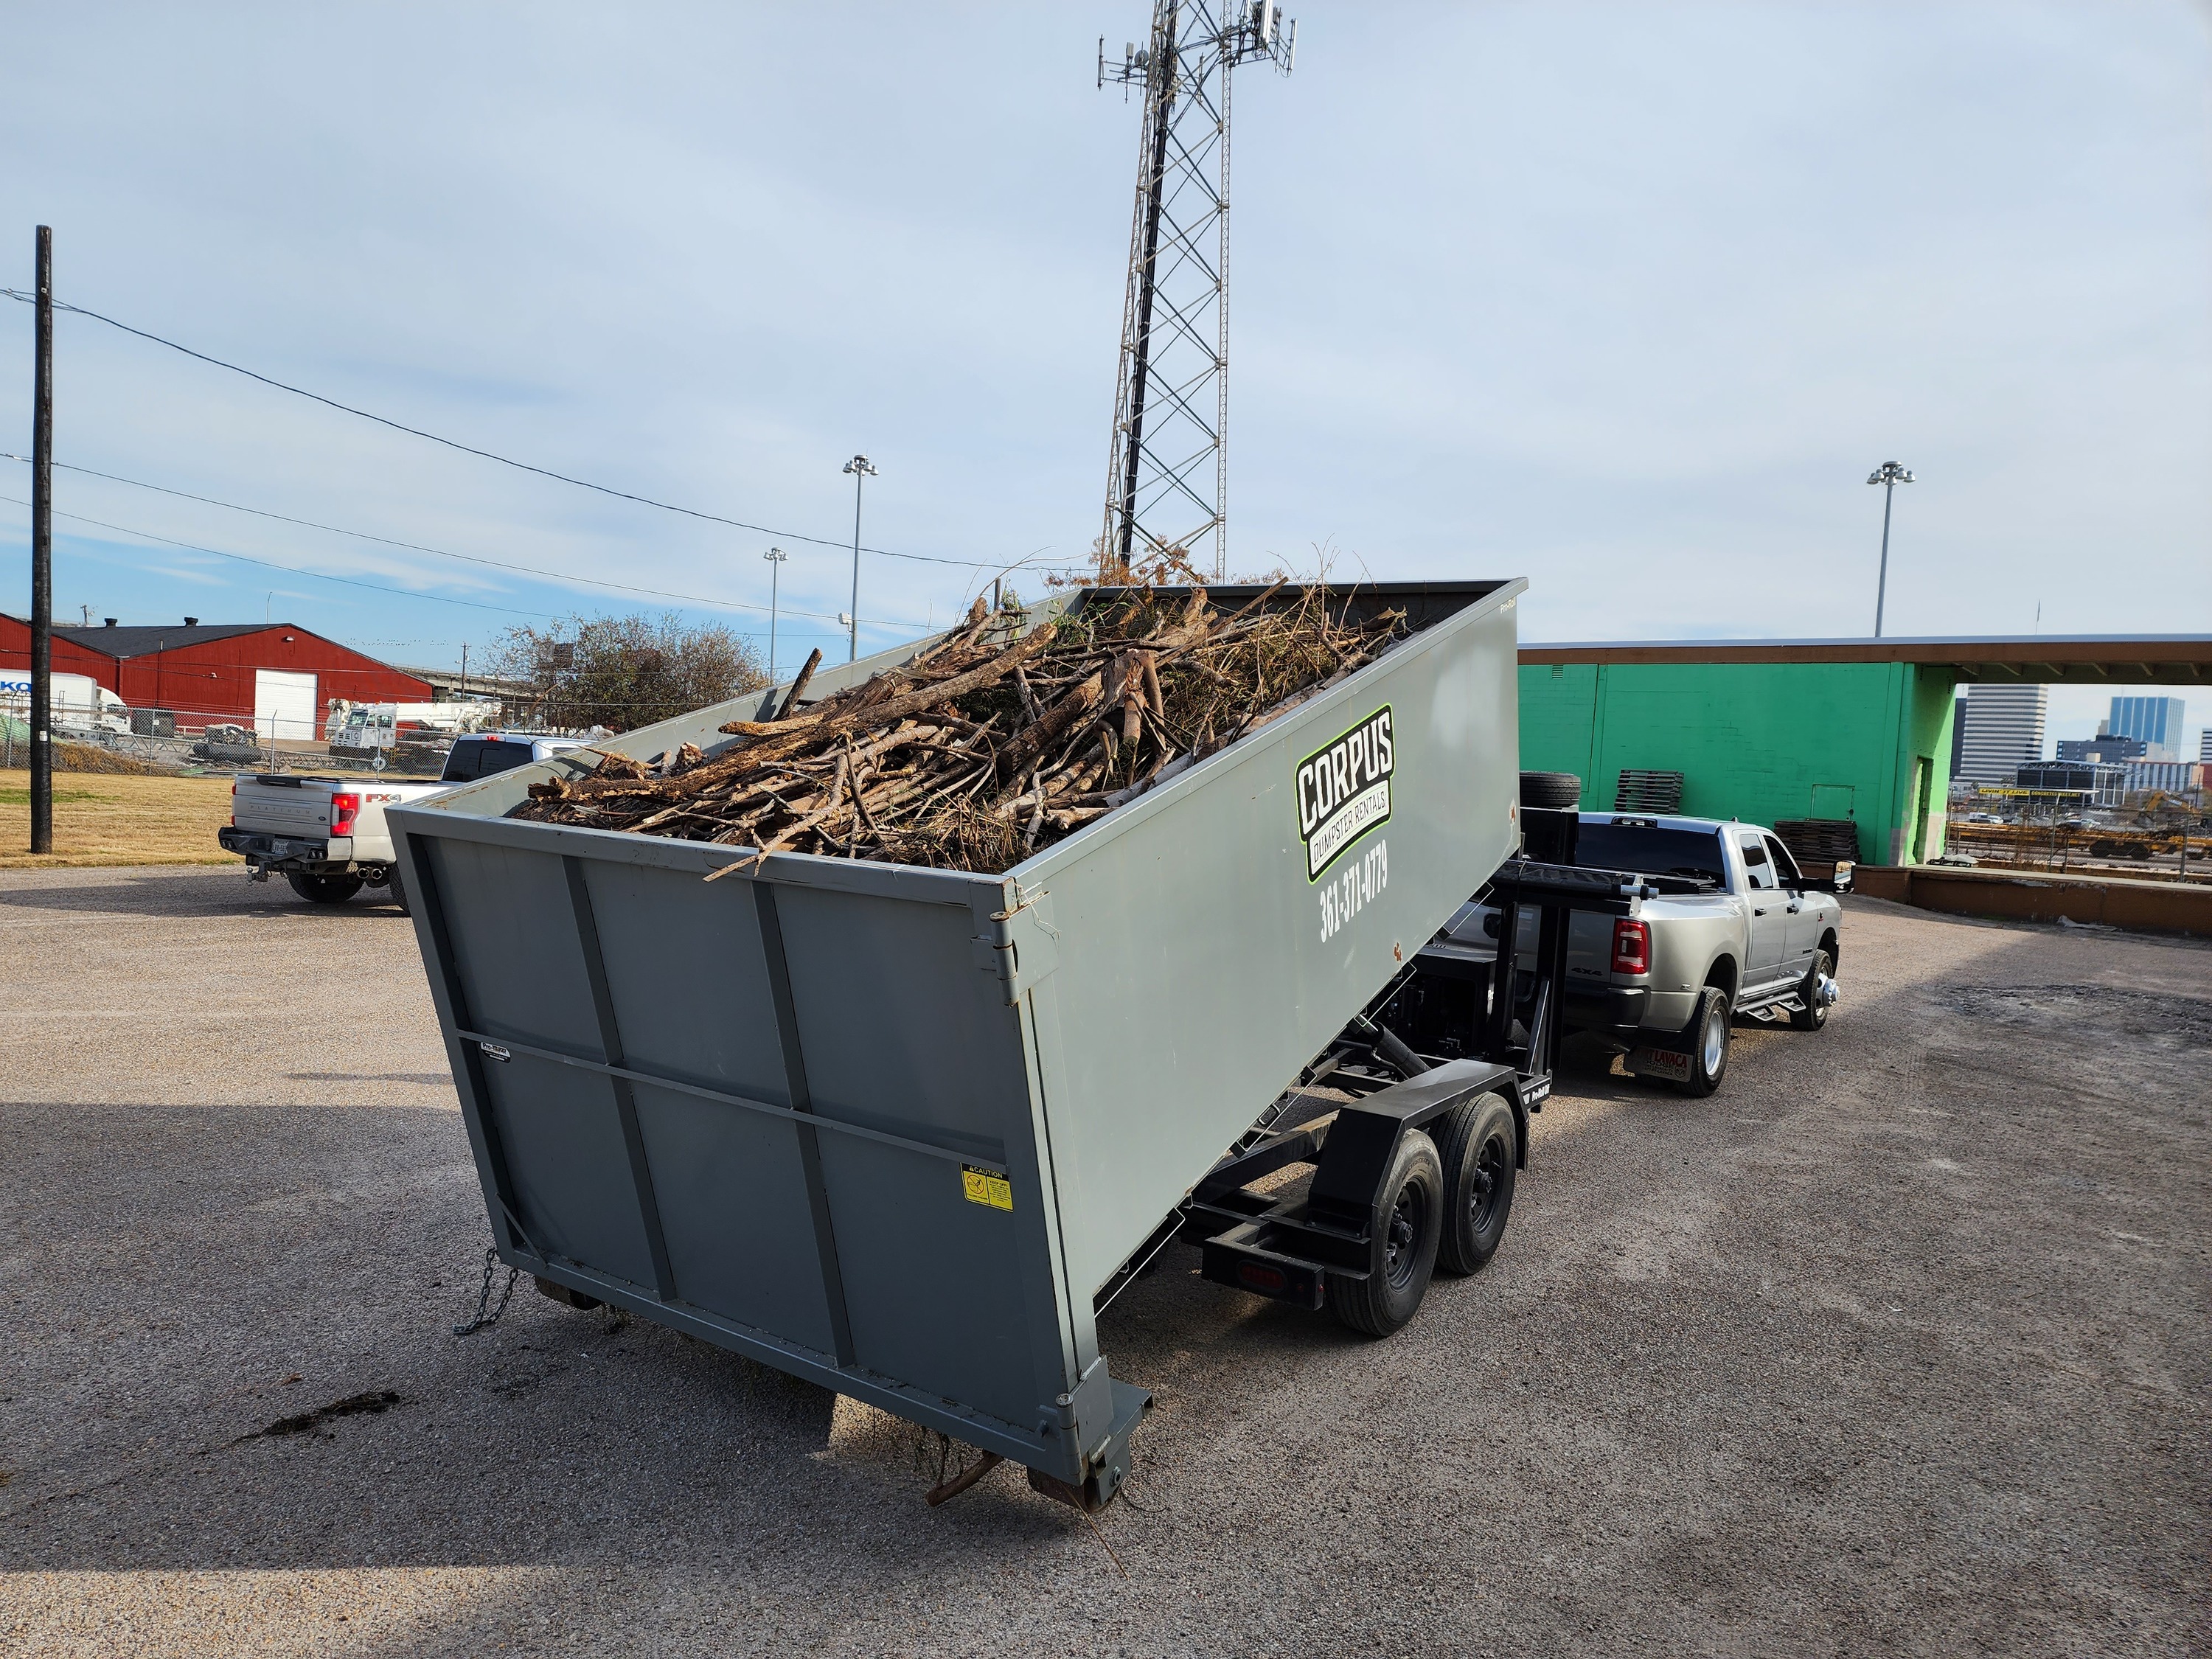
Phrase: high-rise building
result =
(2205, 745)
(2102, 747)
(2004, 726)
(2156, 720)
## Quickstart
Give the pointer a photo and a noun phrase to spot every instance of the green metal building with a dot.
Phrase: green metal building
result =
(1762, 730)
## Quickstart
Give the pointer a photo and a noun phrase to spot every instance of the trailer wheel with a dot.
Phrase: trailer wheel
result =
(1814, 1014)
(1403, 1231)
(396, 891)
(324, 890)
(1708, 1033)
(1476, 1141)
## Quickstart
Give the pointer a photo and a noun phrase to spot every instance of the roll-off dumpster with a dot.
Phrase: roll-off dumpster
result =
(892, 1128)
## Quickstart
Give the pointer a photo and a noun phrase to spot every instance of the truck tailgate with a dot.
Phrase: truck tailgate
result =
(297, 807)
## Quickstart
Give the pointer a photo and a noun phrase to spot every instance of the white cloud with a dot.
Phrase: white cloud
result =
(1626, 299)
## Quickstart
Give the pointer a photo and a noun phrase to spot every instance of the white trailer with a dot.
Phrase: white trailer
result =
(75, 702)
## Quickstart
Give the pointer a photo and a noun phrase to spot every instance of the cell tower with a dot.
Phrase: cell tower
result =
(1167, 476)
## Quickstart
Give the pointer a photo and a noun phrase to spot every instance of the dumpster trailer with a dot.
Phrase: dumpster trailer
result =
(903, 1131)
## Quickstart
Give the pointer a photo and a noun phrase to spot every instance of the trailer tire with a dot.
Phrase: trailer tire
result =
(1552, 789)
(323, 889)
(397, 891)
(1708, 1053)
(1403, 1228)
(1478, 1142)
(1814, 1012)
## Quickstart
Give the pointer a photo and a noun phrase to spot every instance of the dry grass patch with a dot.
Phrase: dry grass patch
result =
(104, 819)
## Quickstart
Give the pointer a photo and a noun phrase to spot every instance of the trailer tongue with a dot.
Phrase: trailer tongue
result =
(902, 1130)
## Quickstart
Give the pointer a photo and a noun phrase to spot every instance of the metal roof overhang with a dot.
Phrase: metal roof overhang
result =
(2082, 659)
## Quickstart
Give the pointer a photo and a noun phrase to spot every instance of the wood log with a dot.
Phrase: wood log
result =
(798, 686)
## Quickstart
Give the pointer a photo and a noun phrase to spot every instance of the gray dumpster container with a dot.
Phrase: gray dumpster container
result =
(891, 1129)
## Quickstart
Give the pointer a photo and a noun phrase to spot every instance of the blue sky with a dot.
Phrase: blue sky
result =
(1625, 299)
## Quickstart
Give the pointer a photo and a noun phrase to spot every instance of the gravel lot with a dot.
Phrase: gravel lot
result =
(1899, 1343)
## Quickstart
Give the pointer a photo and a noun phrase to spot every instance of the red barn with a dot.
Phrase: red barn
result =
(275, 677)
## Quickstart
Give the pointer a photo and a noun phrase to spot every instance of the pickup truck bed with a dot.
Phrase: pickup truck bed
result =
(327, 837)
(324, 836)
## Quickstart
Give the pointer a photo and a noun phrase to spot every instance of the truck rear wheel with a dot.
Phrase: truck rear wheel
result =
(1708, 1036)
(1402, 1233)
(324, 890)
(1477, 1142)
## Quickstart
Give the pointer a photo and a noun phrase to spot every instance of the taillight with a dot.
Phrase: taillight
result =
(1631, 947)
(344, 809)
(233, 803)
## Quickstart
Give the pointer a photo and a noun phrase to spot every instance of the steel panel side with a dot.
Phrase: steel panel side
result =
(904, 1030)
(685, 972)
(1192, 939)
(566, 1157)
(514, 937)
(734, 1211)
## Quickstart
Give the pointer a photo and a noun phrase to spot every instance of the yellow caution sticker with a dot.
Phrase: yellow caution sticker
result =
(986, 1186)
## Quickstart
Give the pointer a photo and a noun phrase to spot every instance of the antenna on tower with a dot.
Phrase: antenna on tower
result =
(1167, 470)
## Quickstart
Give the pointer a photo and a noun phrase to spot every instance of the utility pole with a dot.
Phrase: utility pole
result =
(861, 469)
(1889, 475)
(42, 554)
(776, 556)
(1167, 470)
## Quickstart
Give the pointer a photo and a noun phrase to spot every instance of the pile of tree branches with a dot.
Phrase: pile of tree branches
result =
(980, 751)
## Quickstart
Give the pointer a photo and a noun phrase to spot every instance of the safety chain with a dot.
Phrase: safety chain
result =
(483, 1298)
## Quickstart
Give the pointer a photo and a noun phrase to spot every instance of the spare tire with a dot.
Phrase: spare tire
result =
(1553, 789)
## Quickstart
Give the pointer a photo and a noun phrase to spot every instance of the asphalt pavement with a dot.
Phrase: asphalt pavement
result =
(1898, 1344)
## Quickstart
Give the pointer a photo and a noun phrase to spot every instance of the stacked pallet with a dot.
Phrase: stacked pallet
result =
(1820, 844)
(1659, 794)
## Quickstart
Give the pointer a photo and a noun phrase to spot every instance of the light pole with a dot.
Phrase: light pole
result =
(1888, 475)
(776, 556)
(861, 468)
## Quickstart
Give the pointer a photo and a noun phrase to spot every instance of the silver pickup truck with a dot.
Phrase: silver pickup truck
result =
(1735, 928)
(326, 835)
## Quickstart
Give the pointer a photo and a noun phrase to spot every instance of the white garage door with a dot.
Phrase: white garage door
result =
(283, 705)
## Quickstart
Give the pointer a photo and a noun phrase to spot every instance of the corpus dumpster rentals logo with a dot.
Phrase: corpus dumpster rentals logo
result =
(1344, 789)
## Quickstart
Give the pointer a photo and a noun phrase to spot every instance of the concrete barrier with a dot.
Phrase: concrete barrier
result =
(2159, 907)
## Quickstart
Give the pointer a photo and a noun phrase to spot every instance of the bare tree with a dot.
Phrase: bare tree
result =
(622, 672)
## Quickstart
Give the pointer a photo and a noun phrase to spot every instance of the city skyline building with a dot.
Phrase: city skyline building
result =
(2105, 746)
(2003, 728)
(2157, 721)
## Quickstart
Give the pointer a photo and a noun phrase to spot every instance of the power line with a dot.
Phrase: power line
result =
(443, 553)
(405, 593)
(486, 454)
(290, 570)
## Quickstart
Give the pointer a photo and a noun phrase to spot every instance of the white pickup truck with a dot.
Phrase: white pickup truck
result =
(1730, 927)
(326, 836)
